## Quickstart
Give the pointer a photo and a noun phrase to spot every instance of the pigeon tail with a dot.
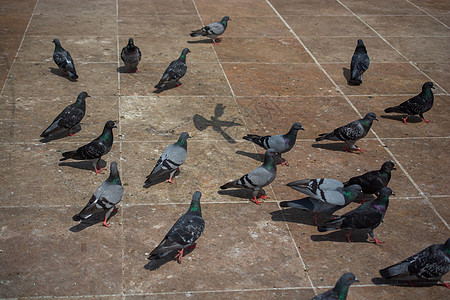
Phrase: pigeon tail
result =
(396, 109)
(73, 75)
(255, 139)
(355, 81)
(394, 270)
(71, 155)
(76, 218)
(228, 185)
(330, 225)
(196, 33)
(303, 204)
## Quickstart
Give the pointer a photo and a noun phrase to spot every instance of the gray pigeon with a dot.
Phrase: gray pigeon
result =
(184, 233)
(372, 182)
(360, 63)
(325, 195)
(258, 178)
(429, 264)
(417, 105)
(64, 61)
(340, 290)
(105, 198)
(351, 132)
(131, 56)
(174, 72)
(366, 217)
(69, 118)
(281, 143)
(95, 149)
(170, 161)
(212, 30)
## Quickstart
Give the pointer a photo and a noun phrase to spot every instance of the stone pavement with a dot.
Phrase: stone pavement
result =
(280, 61)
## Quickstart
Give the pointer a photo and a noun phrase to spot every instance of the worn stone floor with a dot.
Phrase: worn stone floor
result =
(280, 61)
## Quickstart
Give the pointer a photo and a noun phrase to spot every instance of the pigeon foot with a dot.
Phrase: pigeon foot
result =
(97, 171)
(404, 120)
(255, 200)
(376, 241)
(348, 236)
(316, 219)
(179, 255)
(446, 284)
(104, 223)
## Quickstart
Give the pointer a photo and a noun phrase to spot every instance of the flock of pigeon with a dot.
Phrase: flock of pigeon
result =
(325, 196)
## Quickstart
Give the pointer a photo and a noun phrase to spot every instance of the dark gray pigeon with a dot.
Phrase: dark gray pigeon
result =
(64, 61)
(105, 198)
(340, 290)
(95, 149)
(372, 182)
(417, 105)
(325, 195)
(70, 117)
(184, 233)
(170, 161)
(212, 30)
(351, 132)
(360, 63)
(174, 72)
(281, 143)
(429, 264)
(131, 56)
(258, 178)
(366, 217)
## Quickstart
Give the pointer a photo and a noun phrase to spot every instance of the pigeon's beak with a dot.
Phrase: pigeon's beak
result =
(114, 126)
(376, 119)
(301, 128)
(394, 168)
(433, 87)
(356, 280)
(392, 194)
(87, 95)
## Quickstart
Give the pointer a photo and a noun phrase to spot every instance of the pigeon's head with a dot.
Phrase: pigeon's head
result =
(182, 140)
(347, 279)
(114, 169)
(360, 43)
(226, 19)
(371, 116)
(447, 246)
(185, 51)
(110, 124)
(389, 165)
(355, 189)
(427, 85)
(130, 42)
(196, 196)
(386, 192)
(83, 95)
(270, 153)
(297, 126)
(56, 42)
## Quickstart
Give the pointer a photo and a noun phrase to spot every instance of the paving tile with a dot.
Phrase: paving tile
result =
(167, 49)
(14, 24)
(405, 26)
(276, 50)
(213, 118)
(59, 262)
(235, 8)
(440, 203)
(440, 73)
(320, 26)
(203, 170)
(35, 175)
(422, 49)
(391, 125)
(383, 7)
(418, 158)
(156, 7)
(86, 24)
(341, 49)
(380, 78)
(444, 19)
(13, 7)
(200, 80)
(82, 49)
(278, 80)
(433, 7)
(98, 79)
(309, 8)
(10, 45)
(56, 7)
(399, 231)
(261, 251)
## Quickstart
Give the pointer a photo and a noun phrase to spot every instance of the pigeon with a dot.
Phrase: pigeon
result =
(184, 233)
(95, 149)
(367, 216)
(325, 195)
(69, 118)
(212, 30)
(281, 143)
(131, 56)
(372, 182)
(64, 61)
(171, 160)
(174, 72)
(340, 290)
(360, 64)
(351, 132)
(431, 263)
(258, 178)
(105, 198)
(417, 105)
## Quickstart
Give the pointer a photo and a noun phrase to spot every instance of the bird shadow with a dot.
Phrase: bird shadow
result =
(83, 165)
(340, 237)
(124, 70)
(238, 193)
(94, 219)
(201, 123)
(167, 86)
(156, 181)
(405, 283)
(61, 134)
(330, 146)
(293, 215)
(61, 74)
(205, 41)
(346, 72)
(412, 119)
(155, 264)
(255, 156)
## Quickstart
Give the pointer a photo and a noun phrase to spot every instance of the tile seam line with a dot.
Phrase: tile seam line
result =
(254, 146)
(356, 110)
(18, 49)
(395, 49)
(430, 15)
